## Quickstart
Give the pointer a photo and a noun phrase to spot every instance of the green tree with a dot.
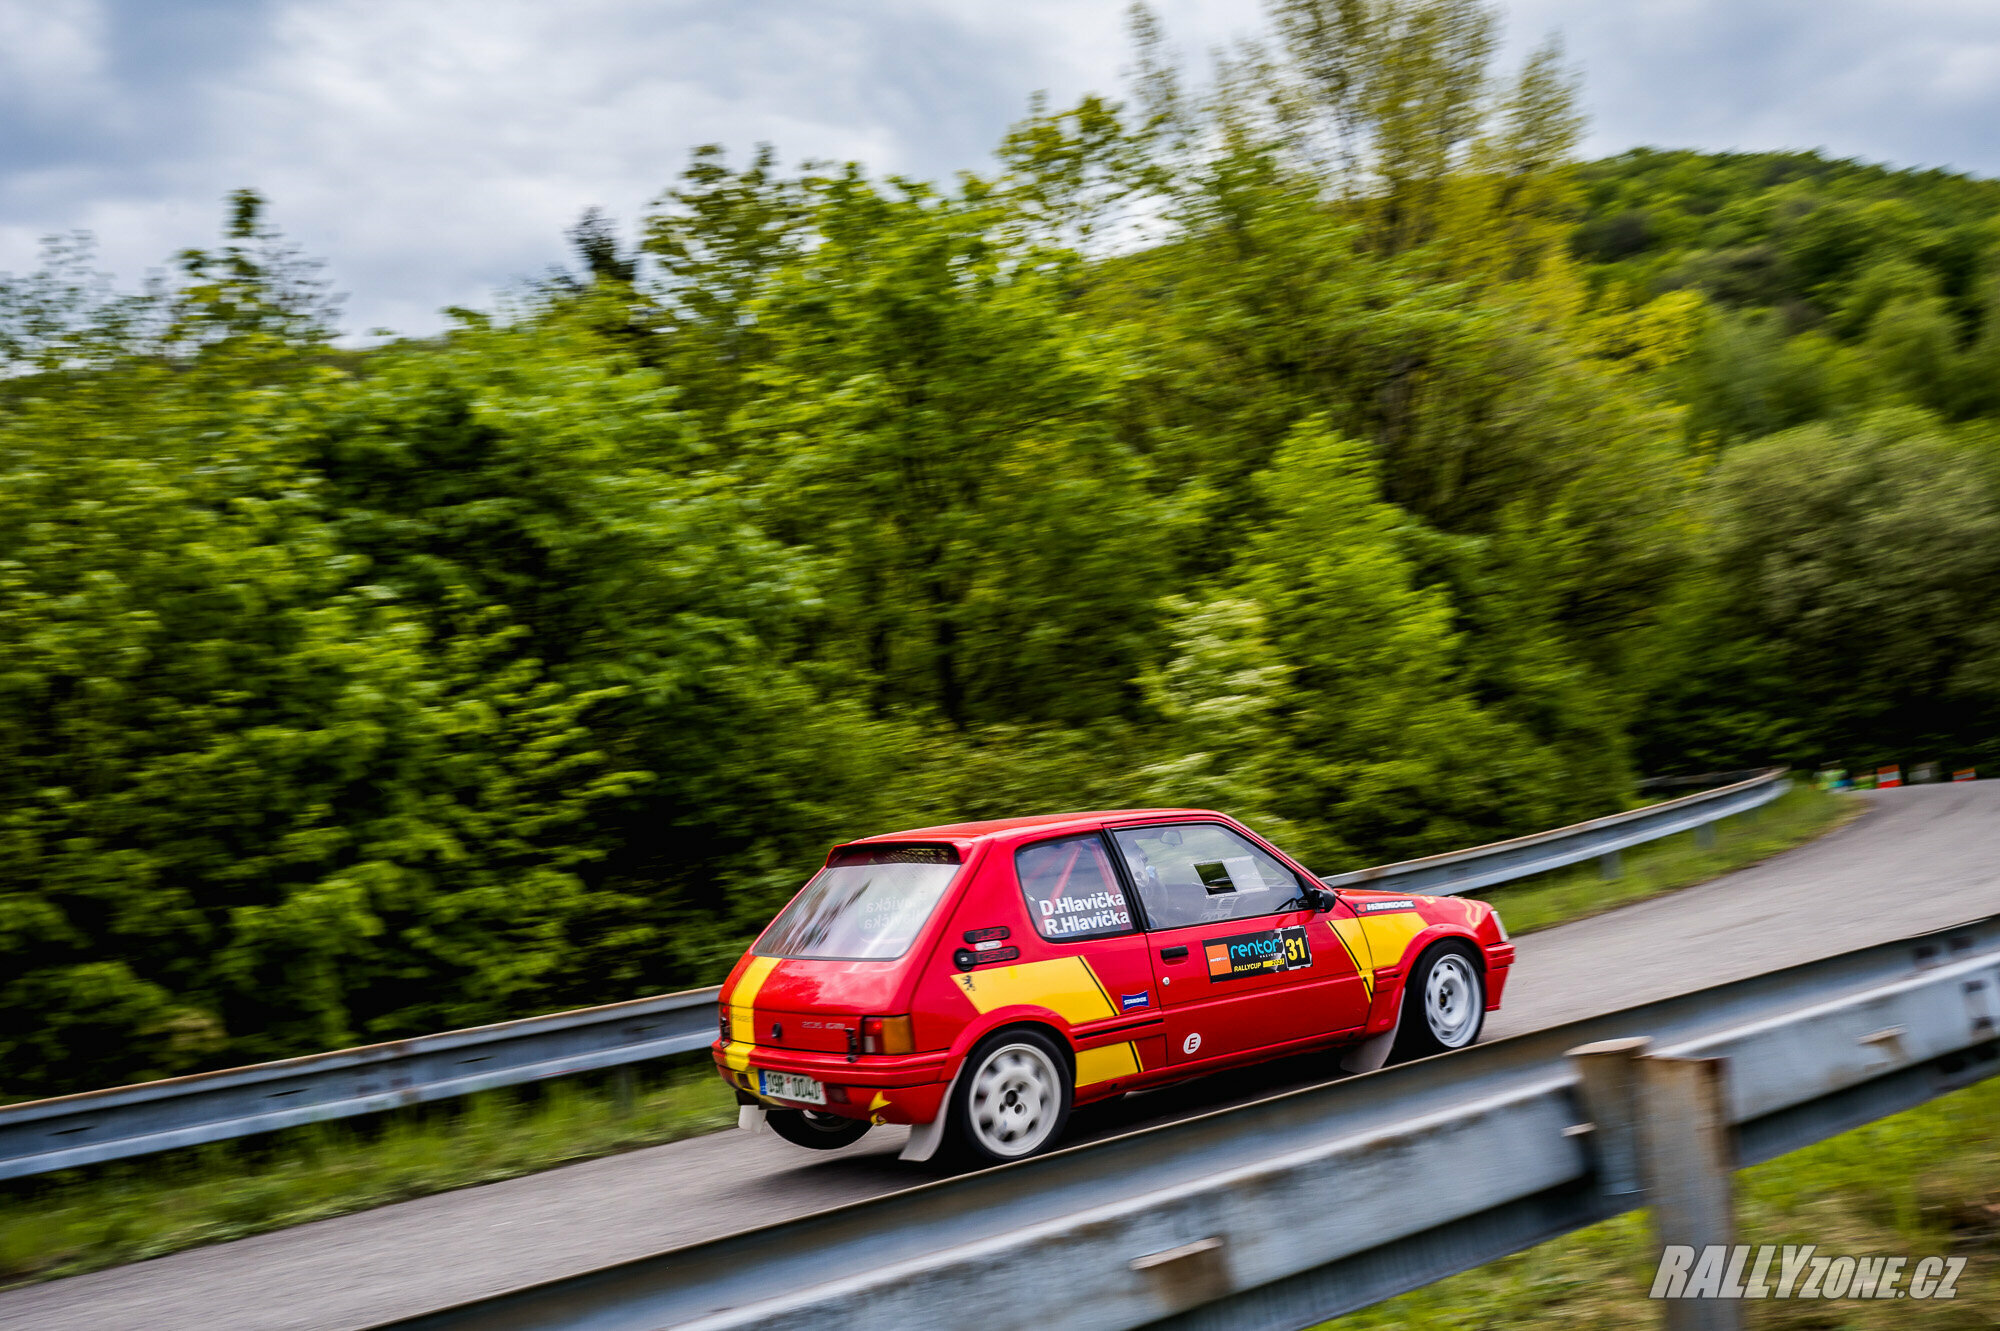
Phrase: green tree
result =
(1841, 611)
(1914, 343)
(251, 806)
(1379, 749)
(935, 429)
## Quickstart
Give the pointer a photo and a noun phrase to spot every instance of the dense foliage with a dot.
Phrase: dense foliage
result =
(1324, 444)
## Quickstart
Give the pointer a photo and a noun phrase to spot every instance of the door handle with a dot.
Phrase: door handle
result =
(1173, 954)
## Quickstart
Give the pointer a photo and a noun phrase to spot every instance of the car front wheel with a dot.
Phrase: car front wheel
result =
(1013, 1097)
(1444, 1003)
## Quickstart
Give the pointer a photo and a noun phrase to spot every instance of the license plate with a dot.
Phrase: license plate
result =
(791, 1086)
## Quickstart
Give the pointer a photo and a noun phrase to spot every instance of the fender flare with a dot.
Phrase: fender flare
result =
(1428, 938)
(1000, 1019)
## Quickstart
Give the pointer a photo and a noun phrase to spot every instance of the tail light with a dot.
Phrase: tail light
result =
(723, 1009)
(887, 1035)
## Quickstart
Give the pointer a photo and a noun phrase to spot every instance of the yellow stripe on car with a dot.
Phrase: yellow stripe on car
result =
(1354, 937)
(1106, 1064)
(742, 1015)
(1389, 933)
(1065, 986)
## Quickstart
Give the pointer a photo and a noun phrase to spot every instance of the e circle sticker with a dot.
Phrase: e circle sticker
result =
(1192, 1043)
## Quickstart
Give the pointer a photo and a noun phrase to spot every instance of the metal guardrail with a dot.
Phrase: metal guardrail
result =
(95, 1126)
(1459, 871)
(1281, 1213)
(1699, 781)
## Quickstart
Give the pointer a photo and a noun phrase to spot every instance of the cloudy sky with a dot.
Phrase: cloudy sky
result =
(432, 151)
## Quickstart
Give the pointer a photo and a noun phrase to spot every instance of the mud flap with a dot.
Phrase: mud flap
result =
(751, 1118)
(1372, 1052)
(925, 1138)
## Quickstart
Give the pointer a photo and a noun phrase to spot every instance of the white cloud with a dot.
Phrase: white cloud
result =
(53, 51)
(434, 152)
(1902, 81)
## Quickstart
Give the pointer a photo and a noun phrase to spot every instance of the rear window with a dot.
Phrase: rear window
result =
(1072, 889)
(867, 905)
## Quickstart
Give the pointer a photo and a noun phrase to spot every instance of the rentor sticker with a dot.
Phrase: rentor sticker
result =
(1261, 953)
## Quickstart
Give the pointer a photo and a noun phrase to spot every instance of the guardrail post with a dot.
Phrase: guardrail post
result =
(1661, 1126)
(1685, 1158)
(1610, 1073)
(1704, 836)
(1610, 864)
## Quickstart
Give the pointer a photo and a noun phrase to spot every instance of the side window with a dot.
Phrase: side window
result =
(1199, 873)
(1071, 889)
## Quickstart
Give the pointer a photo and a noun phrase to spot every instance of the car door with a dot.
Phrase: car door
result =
(1238, 962)
(1077, 903)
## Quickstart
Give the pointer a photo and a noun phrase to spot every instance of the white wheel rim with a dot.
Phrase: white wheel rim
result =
(1451, 1000)
(1015, 1096)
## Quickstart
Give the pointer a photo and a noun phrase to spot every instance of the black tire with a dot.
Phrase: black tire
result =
(1445, 1016)
(1012, 1099)
(821, 1132)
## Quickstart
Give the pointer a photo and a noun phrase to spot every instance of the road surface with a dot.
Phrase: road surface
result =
(1919, 858)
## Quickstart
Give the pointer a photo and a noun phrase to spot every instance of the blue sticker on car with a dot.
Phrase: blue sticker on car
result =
(1130, 1001)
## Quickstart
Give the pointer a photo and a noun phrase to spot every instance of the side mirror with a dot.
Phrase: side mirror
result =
(1321, 899)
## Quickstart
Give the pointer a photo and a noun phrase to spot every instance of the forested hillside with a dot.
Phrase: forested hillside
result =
(1322, 442)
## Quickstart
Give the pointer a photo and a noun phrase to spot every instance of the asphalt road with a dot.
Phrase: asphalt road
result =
(1920, 858)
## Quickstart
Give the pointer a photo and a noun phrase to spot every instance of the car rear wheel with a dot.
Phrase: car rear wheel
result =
(1013, 1097)
(822, 1132)
(1444, 1003)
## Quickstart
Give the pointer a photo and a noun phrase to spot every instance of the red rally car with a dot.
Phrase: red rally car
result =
(978, 980)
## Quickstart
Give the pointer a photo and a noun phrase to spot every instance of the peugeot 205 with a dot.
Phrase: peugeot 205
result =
(978, 981)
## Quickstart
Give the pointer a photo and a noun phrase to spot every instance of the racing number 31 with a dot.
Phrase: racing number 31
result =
(1260, 953)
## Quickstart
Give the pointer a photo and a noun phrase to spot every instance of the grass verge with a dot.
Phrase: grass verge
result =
(81, 1220)
(1921, 1183)
(1671, 863)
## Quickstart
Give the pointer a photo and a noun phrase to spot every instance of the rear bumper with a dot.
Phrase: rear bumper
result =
(892, 1089)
